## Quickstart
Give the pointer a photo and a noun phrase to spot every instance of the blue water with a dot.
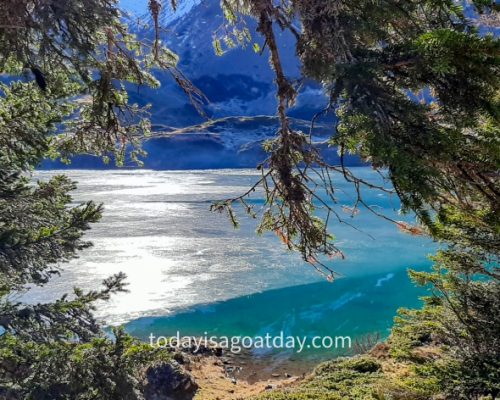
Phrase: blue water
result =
(354, 307)
(190, 271)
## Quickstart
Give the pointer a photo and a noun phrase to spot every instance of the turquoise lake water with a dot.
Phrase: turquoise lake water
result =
(190, 271)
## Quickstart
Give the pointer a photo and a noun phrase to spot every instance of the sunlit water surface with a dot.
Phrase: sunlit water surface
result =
(188, 269)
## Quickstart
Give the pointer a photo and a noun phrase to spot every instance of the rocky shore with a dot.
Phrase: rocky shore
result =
(212, 374)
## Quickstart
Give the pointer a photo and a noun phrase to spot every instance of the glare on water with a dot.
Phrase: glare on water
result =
(158, 230)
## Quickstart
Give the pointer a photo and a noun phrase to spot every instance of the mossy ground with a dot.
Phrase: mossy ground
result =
(347, 378)
(377, 375)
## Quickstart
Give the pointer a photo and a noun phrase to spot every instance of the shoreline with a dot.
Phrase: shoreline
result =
(242, 375)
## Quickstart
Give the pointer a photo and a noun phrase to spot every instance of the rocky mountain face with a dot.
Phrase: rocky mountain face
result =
(239, 88)
(239, 83)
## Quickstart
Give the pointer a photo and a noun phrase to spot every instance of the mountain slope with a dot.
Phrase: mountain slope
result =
(238, 84)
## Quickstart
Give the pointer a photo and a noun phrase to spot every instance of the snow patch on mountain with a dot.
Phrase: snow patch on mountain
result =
(183, 7)
(168, 14)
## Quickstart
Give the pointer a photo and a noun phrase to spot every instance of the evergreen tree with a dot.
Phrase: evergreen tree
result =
(67, 64)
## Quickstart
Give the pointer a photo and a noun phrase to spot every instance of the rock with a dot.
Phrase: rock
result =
(380, 351)
(218, 351)
(269, 387)
(287, 375)
(275, 375)
(179, 357)
(167, 381)
(233, 381)
(201, 350)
